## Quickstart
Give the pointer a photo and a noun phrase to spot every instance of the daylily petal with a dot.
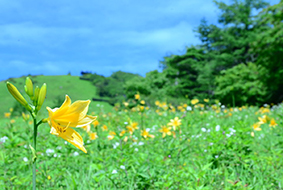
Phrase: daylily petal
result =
(73, 113)
(64, 106)
(74, 138)
(85, 121)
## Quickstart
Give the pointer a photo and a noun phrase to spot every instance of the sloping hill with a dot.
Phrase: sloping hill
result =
(57, 88)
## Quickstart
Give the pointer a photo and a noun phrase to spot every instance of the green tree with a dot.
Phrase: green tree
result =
(223, 47)
(268, 48)
(242, 84)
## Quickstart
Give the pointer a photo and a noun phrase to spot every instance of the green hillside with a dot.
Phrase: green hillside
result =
(57, 88)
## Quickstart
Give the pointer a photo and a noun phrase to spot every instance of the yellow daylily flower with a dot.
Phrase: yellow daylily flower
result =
(61, 121)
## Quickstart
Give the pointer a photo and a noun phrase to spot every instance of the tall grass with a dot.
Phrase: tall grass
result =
(215, 148)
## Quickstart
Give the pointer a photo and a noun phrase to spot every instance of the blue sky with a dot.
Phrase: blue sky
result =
(58, 37)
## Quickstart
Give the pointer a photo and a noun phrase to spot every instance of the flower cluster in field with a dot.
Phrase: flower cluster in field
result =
(143, 144)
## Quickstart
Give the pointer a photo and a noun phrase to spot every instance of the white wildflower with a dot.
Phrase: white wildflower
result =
(3, 139)
(25, 159)
(217, 128)
(76, 153)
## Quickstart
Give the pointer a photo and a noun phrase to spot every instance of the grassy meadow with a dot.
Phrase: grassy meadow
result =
(199, 144)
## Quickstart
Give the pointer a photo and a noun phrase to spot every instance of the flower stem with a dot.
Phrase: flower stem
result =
(34, 158)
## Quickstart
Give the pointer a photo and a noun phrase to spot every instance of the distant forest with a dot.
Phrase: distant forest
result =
(239, 62)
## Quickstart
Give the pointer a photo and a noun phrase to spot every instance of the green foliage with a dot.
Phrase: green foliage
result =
(137, 84)
(268, 47)
(242, 84)
(110, 87)
(202, 156)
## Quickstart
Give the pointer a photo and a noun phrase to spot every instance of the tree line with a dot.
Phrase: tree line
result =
(239, 61)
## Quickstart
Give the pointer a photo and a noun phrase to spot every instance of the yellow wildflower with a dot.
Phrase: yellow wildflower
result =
(201, 105)
(104, 128)
(125, 139)
(93, 136)
(111, 135)
(194, 101)
(7, 115)
(146, 134)
(157, 103)
(273, 123)
(132, 127)
(122, 133)
(137, 96)
(263, 119)
(264, 110)
(135, 125)
(142, 102)
(86, 128)
(206, 100)
(165, 131)
(176, 122)
(126, 104)
(256, 126)
(141, 108)
(61, 121)
(95, 123)
(179, 107)
(12, 121)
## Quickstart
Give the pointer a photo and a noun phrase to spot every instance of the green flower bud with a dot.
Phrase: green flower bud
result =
(41, 96)
(36, 94)
(18, 96)
(29, 87)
